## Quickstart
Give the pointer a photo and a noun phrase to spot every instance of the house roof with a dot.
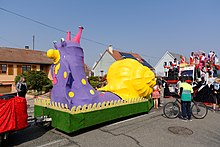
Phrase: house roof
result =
(177, 56)
(23, 56)
(174, 55)
(118, 55)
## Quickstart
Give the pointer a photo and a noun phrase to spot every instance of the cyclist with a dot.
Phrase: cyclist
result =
(186, 93)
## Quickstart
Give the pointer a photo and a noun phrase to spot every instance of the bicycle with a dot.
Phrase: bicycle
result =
(172, 109)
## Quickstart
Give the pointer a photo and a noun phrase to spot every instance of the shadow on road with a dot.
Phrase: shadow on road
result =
(25, 135)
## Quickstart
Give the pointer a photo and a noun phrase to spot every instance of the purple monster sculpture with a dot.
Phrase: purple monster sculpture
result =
(70, 85)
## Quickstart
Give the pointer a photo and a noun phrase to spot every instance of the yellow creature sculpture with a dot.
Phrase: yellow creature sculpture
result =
(129, 79)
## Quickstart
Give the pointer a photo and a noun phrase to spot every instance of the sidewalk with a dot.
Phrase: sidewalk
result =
(30, 105)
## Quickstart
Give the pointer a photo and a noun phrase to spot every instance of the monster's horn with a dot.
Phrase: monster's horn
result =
(78, 35)
(68, 36)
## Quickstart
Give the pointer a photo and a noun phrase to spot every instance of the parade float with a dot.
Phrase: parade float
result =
(200, 65)
(74, 104)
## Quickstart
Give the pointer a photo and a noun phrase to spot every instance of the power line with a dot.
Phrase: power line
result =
(9, 42)
(46, 25)
(30, 19)
(57, 29)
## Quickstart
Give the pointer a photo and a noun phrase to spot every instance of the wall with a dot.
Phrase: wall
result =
(103, 64)
(159, 68)
(7, 80)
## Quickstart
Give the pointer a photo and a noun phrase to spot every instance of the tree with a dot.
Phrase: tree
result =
(96, 81)
(36, 80)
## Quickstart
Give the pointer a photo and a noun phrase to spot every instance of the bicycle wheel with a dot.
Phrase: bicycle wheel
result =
(171, 110)
(199, 110)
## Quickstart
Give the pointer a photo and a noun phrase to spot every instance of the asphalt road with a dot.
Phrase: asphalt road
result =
(146, 130)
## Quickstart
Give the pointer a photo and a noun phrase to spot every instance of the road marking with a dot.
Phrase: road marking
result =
(50, 143)
(131, 119)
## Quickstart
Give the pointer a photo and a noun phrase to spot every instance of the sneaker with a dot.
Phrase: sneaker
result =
(213, 110)
(184, 119)
(190, 119)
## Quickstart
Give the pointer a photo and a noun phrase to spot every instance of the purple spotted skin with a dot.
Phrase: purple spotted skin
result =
(72, 87)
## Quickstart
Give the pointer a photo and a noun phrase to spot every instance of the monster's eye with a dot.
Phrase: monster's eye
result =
(62, 39)
(63, 42)
(55, 44)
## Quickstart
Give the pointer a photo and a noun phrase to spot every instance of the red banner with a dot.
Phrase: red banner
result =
(13, 114)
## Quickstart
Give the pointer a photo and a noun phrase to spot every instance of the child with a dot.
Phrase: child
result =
(156, 95)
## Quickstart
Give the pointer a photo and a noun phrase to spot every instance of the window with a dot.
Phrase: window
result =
(10, 69)
(19, 71)
(3, 68)
(34, 67)
(187, 73)
(165, 64)
(41, 68)
(26, 68)
(45, 68)
(127, 55)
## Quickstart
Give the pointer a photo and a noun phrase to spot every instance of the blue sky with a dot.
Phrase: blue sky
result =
(147, 27)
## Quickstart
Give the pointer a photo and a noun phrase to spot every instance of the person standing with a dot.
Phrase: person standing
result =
(210, 79)
(175, 65)
(156, 95)
(21, 87)
(159, 83)
(215, 92)
(186, 93)
(192, 59)
(161, 99)
(166, 89)
(177, 88)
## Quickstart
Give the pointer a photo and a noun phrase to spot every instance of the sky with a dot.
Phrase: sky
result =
(147, 27)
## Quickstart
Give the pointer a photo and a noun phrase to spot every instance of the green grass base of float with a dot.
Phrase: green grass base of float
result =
(70, 123)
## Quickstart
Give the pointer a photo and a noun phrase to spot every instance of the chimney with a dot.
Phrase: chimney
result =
(110, 49)
(26, 46)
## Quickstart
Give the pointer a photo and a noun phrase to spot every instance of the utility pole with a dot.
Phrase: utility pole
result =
(33, 41)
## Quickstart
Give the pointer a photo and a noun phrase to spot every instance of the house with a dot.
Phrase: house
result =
(14, 62)
(165, 61)
(87, 70)
(101, 67)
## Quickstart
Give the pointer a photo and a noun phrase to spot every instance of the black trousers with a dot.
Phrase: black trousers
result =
(186, 109)
(22, 94)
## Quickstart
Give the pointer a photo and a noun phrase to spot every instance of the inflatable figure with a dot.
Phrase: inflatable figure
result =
(127, 78)
(70, 85)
